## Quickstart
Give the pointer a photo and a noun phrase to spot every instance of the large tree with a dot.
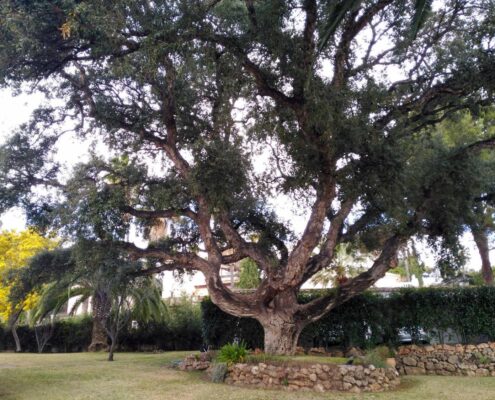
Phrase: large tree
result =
(334, 98)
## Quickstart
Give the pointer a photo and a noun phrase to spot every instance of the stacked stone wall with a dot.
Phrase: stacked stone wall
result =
(448, 360)
(316, 377)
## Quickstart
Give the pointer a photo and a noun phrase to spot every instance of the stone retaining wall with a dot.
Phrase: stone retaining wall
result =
(468, 360)
(318, 377)
(195, 363)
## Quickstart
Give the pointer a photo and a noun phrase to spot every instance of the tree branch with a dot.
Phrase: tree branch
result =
(317, 308)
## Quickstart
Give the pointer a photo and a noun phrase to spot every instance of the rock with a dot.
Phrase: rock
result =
(482, 372)
(313, 377)
(375, 387)
(218, 372)
(317, 350)
(410, 361)
(319, 388)
(453, 359)
(391, 362)
(354, 352)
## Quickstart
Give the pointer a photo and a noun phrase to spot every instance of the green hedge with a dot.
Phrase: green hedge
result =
(371, 318)
(69, 335)
(183, 332)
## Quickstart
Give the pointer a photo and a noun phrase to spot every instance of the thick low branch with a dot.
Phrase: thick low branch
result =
(317, 308)
(296, 264)
(183, 260)
(242, 247)
(324, 257)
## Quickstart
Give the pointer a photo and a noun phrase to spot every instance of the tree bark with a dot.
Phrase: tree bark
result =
(100, 309)
(13, 329)
(281, 327)
(481, 240)
(281, 335)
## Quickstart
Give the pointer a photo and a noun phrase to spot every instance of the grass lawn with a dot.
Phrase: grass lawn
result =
(147, 377)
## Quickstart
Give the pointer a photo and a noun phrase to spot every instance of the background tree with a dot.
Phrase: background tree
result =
(337, 95)
(16, 249)
(480, 219)
(90, 272)
(249, 274)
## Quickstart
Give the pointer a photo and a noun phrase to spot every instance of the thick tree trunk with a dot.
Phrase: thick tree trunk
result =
(481, 241)
(282, 329)
(100, 310)
(281, 335)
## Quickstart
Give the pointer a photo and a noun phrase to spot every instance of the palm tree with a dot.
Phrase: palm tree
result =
(108, 280)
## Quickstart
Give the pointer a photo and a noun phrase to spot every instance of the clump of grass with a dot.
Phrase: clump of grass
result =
(232, 353)
(377, 357)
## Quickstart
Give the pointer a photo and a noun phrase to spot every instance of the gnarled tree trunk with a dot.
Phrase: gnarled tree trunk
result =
(100, 309)
(280, 324)
(281, 335)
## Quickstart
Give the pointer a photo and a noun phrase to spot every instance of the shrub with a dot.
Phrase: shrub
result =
(232, 353)
(377, 357)
(370, 318)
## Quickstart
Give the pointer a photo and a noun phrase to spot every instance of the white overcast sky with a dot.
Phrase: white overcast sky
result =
(15, 110)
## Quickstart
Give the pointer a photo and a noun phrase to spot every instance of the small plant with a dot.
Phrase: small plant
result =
(482, 359)
(285, 381)
(233, 353)
(384, 352)
(377, 357)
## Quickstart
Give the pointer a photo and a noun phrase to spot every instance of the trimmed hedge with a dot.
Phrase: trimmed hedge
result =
(180, 331)
(371, 318)
(69, 335)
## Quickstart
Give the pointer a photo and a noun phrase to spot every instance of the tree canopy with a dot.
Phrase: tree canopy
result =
(16, 249)
(189, 97)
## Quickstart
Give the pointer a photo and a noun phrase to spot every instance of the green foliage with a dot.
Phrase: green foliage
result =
(180, 329)
(249, 276)
(187, 97)
(232, 353)
(220, 328)
(377, 356)
(69, 335)
(370, 319)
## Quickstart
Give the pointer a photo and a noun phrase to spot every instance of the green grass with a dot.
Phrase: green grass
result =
(147, 377)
